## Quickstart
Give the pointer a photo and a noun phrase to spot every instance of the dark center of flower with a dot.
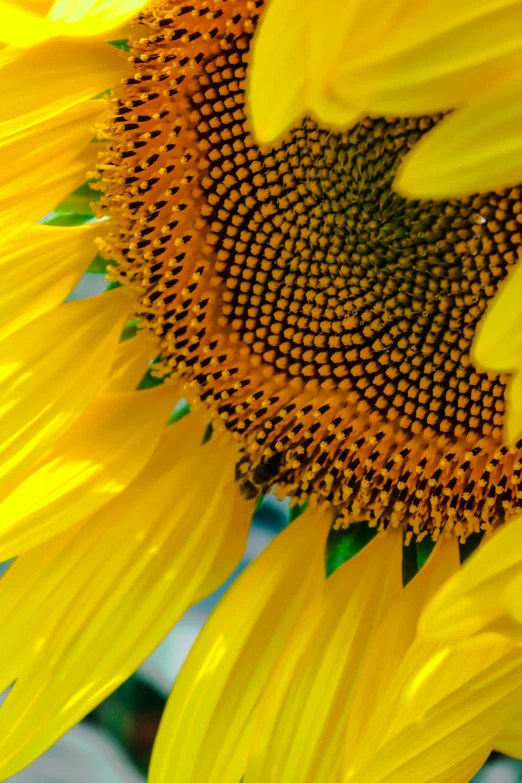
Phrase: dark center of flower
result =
(324, 318)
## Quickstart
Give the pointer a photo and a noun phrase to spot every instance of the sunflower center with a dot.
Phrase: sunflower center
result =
(325, 319)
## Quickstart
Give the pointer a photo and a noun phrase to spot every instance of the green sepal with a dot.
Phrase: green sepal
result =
(296, 510)
(470, 544)
(122, 44)
(179, 414)
(343, 544)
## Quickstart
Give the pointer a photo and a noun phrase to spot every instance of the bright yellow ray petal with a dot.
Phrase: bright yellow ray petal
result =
(18, 213)
(20, 25)
(431, 56)
(205, 731)
(279, 69)
(94, 460)
(443, 736)
(509, 740)
(370, 714)
(25, 26)
(512, 430)
(130, 363)
(103, 595)
(299, 732)
(39, 269)
(483, 593)
(92, 17)
(479, 148)
(33, 156)
(498, 343)
(51, 370)
(49, 79)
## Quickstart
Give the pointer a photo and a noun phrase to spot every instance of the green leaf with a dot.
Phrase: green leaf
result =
(343, 544)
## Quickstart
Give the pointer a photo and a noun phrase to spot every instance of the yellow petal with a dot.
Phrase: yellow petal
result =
(82, 611)
(429, 56)
(444, 734)
(20, 25)
(370, 714)
(484, 593)
(51, 370)
(130, 363)
(479, 148)
(94, 460)
(34, 155)
(50, 79)
(206, 728)
(498, 344)
(92, 17)
(39, 269)
(513, 414)
(24, 26)
(276, 90)
(509, 740)
(18, 213)
(299, 732)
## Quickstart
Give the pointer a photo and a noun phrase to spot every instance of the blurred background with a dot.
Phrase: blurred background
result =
(113, 744)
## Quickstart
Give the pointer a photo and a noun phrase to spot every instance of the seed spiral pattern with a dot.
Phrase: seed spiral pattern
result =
(326, 320)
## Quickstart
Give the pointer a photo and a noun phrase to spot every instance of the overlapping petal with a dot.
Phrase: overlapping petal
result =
(23, 26)
(43, 82)
(51, 370)
(341, 60)
(476, 149)
(39, 269)
(85, 608)
(299, 732)
(485, 594)
(498, 346)
(206, 729)
(93, 461)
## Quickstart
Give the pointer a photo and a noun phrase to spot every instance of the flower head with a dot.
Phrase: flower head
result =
(323, 324)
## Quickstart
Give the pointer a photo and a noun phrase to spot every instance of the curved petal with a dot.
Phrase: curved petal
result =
(20, 211)
(130, 364)
(43, 82)
(451, 709)
(280, 48)
(484, 594)
(23, 28)
(92, 462)
(476, 149)
(39, 269)
(51, 370)
(298, 735)
(498, 343)
(509, 740)
(429, 56)
(206, 728)
(83, 610)
(33, 156)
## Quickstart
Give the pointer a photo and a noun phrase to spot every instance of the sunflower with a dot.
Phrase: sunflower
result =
(321, 323)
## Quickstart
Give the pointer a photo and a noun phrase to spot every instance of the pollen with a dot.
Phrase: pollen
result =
(323, 318)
